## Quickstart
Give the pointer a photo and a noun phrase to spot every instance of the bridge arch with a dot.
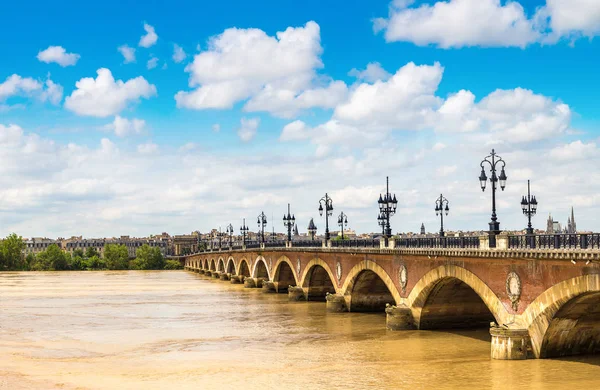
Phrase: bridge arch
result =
(230, 269)
(204, 264)
(318, 280)
(284, 275)
(565, 319)
(243, 268)
(369, 287)
(260, 270)
(221, 265)
(213, 265)
(472, 302)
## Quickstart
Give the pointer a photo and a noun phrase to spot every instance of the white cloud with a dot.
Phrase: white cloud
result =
(459, 23)
(178, 53)
(103, 96)
(128, 53)
(572, 18)
(16, 85)
(123, 126)
(152, 63)
(59, 55)
(576, 150)
(438, 146)
(374, 72)
(150, 38)
(446, 170)
(147, 148)
(276, 73)
(216, 127)
(295, 131)
(248, 128)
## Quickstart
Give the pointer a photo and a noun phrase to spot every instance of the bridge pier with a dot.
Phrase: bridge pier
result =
(399, 318)
(236, 279)
(296, 293)
(268, 287)
(509, 344)
(216, 275)
(249, 283)
(208, 273)
(336, 303)
(201, 271)
(224, 276)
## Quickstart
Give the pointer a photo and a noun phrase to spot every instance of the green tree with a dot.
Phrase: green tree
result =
(29, 261)
(53, 258)
(148, 257)
(77, 262)
(11, 253)
(78, 252)
(173, 264)
(116, 256)
(91, 252)
(94, 263)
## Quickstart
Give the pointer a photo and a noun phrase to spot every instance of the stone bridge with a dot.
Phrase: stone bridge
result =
(538, 303)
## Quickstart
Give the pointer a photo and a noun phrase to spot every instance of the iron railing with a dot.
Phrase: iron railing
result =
(275, 244)
(356, 243)
(555, 241)
(437, 242)
(307, 244)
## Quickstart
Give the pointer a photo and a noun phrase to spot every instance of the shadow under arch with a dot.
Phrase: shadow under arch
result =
(221, 267)
(565, 319)
(213, 265)
(284, 275)
(318, 280)
(451, 297)
(370, 288)
(205, 264)
(260, 269)
(230, 269)
(243, 269)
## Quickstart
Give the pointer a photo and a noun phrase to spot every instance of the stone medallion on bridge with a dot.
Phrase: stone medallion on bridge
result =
(338, 271)
(403, 276)
(513, 288)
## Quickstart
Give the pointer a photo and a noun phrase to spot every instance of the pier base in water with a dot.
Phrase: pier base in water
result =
(296, 293)
(268, 287)
(399, 318)
(335, 303)
(249, 283)
(509, 344)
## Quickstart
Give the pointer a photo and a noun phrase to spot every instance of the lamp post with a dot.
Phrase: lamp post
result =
(441, 207)
(493, 160)
(220, 235)
(262, 222)
(229, 231)
(328, 202)
(312, 229)
(342, 221)
(529, 207)
(244, 230)
(288, 221)
(387, 207)
(381, 222)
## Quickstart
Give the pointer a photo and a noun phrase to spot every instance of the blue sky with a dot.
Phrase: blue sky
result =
(176, 173)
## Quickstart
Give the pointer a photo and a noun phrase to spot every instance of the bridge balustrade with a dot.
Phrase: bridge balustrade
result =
(555, 241)
(355, 243)
(275, 244)
(307, 244)
(437, 242)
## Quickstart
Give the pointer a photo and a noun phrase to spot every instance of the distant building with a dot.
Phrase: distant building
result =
(571, 225)
(422, 228)
(36, 245)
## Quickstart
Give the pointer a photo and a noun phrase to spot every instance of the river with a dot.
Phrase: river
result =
(179, 330)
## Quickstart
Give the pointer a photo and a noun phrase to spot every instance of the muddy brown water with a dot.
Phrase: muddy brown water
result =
(180, 330)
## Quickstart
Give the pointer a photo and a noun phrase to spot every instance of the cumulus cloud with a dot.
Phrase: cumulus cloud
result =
(571, 18)
(123, 126)
(150, 38)
(178, 53)
(128, 53)
(276, 74)
(573, 151)
(372, 73)
(15, 85)
(59, 55)
(147, 148)
(103, 96)
(295, 131)
(152, 63)
(216, 127)
(248, 128)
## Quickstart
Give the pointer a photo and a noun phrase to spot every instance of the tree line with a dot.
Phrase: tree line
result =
(115, 257)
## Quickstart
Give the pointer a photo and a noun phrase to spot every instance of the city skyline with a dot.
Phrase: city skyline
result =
(180, 121)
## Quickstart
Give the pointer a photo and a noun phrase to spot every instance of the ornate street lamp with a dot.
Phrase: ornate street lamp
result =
(529, 207)
(312, 229)
(342, 221)
(493, 160)
(262, 222)
(328, 202)
(381, 222)
(229, 231)
(441, 208)
(387, 207)
(220, 235)
(289, 221)
(244, 230)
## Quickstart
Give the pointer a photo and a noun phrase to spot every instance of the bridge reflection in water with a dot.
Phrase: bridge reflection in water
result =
(538, 302)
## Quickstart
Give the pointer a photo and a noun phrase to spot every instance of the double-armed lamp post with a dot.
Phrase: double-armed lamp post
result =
(387, 208)
(229, 231)
(262, 222)
(328, 202)
(494, 162)
(288, 221)
(244, 230)
(529, 206)
(342, 221)
(441, 208)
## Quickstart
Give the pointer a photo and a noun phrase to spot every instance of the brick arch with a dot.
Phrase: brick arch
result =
(239, 267)
(231, 261)
(206, 265)
(317, 292)
(542, 311)
(258, 260)
(221, 265)
(418, 296)
(213, 265)
(278, 263)
(368, 265)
